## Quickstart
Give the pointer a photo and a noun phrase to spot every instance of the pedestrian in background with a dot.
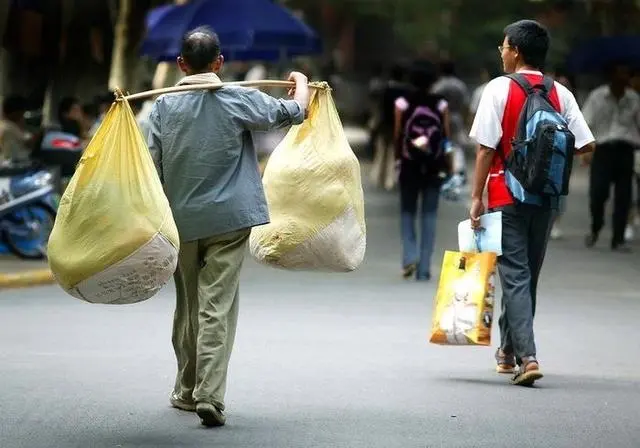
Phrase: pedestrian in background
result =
(424, 158)
(613, 112)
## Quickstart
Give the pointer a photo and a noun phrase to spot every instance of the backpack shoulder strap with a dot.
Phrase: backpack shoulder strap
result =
(548, 83)
(522, 81)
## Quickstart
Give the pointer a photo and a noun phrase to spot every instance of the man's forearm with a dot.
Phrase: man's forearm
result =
(589, 147)
(484, 158)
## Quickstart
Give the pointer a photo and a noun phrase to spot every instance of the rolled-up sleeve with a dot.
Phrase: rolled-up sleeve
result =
(263, 112)
(154, 139)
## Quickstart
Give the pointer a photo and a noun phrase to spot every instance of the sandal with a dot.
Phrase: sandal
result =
(506, 362)
(528, 373)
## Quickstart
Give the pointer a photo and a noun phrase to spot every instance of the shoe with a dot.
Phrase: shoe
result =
(506, 363)
(556, 233)
(628, 233)
(182, 404)
(528, 373)
(621, 247)
(409, 270)
(590, 240)
(423, 277)
(210, 415)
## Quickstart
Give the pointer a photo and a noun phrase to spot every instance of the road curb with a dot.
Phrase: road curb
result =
(26, 279)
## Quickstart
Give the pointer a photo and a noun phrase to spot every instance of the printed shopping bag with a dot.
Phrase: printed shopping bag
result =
(463, 309)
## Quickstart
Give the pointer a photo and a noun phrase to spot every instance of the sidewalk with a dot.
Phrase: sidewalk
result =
(10, 264)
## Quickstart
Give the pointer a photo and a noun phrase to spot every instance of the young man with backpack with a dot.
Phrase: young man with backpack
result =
(423, 155)
(527, 128)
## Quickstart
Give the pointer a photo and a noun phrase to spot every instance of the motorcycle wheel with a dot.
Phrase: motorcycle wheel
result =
(42, 213)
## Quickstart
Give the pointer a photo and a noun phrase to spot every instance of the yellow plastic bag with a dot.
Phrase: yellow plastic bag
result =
(314, 191)
(114, 240)
(463, 311)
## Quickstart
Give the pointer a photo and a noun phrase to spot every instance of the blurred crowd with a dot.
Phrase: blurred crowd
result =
(612, 120)
(22, 130)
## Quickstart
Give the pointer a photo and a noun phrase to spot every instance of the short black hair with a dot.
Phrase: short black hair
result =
(531, 39)
(200, 48)
(613, 66)
(448, 68)
(65, 106)
(423, 75)
(397, 72)
(14, 104)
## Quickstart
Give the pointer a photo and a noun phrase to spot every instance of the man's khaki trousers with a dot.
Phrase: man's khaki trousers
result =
(204, 328)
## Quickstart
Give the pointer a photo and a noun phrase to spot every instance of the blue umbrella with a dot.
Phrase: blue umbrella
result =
(248, 29)
(156, 14)
(595, 54)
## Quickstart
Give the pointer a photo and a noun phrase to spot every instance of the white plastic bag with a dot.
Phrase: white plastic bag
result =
(486, 239)
(313, 187)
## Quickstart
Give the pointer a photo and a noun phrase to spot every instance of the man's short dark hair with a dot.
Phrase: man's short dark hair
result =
(531, 39)
(13, 104)
(200, 48)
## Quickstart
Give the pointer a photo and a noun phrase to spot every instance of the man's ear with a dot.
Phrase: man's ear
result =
(217, 64)
(182, 65)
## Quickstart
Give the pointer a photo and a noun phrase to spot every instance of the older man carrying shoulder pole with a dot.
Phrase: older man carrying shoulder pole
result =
(202, 147)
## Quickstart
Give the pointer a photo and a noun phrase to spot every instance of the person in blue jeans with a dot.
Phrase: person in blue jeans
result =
(423, 158)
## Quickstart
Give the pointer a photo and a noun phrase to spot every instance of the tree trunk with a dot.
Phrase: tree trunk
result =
(118, 76)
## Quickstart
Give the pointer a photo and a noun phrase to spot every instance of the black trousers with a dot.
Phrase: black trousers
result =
(525, 234)
(612, 164)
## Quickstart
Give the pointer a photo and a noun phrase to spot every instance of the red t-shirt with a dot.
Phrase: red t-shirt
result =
(498, 192)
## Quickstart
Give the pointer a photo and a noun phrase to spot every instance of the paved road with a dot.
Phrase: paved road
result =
(334, 361)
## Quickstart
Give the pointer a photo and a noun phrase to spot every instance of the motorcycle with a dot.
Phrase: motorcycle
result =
(27, 210)
(59, 150)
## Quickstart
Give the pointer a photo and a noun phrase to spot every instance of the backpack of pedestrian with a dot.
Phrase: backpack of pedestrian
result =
(538, 168)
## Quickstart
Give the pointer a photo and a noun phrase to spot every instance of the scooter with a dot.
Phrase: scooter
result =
(59, 150)
(27, 210)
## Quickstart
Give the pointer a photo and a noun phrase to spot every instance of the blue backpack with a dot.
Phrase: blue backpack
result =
(538, 168)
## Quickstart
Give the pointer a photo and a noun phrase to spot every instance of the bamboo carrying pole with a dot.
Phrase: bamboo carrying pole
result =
(217, 85)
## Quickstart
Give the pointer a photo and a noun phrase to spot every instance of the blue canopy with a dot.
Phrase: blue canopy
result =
(248, 29)
(595, 54)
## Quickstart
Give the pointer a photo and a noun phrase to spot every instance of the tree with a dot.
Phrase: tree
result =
(119, 76)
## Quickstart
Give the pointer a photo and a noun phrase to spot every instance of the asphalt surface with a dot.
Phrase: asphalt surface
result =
(336, 360)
